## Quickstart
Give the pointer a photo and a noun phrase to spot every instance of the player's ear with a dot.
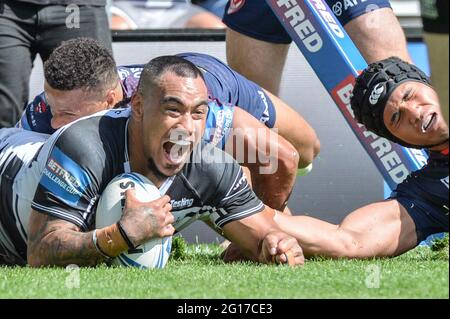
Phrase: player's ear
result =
(111, 98)
(137, 105)
(114, 95)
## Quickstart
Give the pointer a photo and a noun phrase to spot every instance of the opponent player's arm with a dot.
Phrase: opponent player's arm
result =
(296, 130)
(381, 229)
(259, 237)
(271, 159)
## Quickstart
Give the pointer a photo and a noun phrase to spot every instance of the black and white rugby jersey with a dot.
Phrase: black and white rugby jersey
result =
(19, 176)
(83, 157)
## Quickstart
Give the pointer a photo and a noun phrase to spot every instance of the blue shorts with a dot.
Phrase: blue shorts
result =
(424, 195)
(255, 18)
(428, 219)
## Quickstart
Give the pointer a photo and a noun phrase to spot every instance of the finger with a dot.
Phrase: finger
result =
(167, 208)
(271, 243)
(287, 258)
(167, 231)
(281, 258)
(130, 194)
(300, 259)
(286, 244)
(170, 219)
(293, 257)
(291, 252)
(290, 258)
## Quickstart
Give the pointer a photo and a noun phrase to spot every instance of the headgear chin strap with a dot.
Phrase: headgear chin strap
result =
(373, 88)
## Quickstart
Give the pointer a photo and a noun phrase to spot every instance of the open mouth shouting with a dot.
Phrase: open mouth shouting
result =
(178, 147)
(428, 122)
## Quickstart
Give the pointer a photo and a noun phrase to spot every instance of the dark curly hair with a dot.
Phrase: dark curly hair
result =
(81, 63)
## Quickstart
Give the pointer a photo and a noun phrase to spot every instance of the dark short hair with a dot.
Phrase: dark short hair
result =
(154, 69)
(81, 63)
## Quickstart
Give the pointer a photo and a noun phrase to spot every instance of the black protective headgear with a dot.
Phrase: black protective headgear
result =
(373, 88)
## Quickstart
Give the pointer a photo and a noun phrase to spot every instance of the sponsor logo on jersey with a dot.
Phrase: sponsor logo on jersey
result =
(376, 93)
(41, 107)
(183, 203)
(342, 6)
(185, 217)
(235, 6)
(64, 178)
(54, 168)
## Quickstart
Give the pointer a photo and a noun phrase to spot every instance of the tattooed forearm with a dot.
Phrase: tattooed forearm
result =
(63, 248)
(56, 242)
(140, 224)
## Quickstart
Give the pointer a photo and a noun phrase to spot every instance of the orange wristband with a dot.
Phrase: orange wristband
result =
(110, 241)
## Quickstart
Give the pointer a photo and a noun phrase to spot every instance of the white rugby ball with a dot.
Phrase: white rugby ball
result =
(152, 254)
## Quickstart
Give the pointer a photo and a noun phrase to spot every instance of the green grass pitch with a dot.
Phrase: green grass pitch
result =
(197, 272)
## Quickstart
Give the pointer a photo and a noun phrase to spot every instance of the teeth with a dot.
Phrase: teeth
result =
(177, 150)
(426, 125)
(181, 142)
(180, 137)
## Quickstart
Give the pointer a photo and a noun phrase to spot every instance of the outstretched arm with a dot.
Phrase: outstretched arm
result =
(377, 230)
(261, 240)
(382, 229)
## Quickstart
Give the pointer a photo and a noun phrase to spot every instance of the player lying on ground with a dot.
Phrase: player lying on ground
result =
(70, 100)
(394, 100)
(257, 43)
(160, 138)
